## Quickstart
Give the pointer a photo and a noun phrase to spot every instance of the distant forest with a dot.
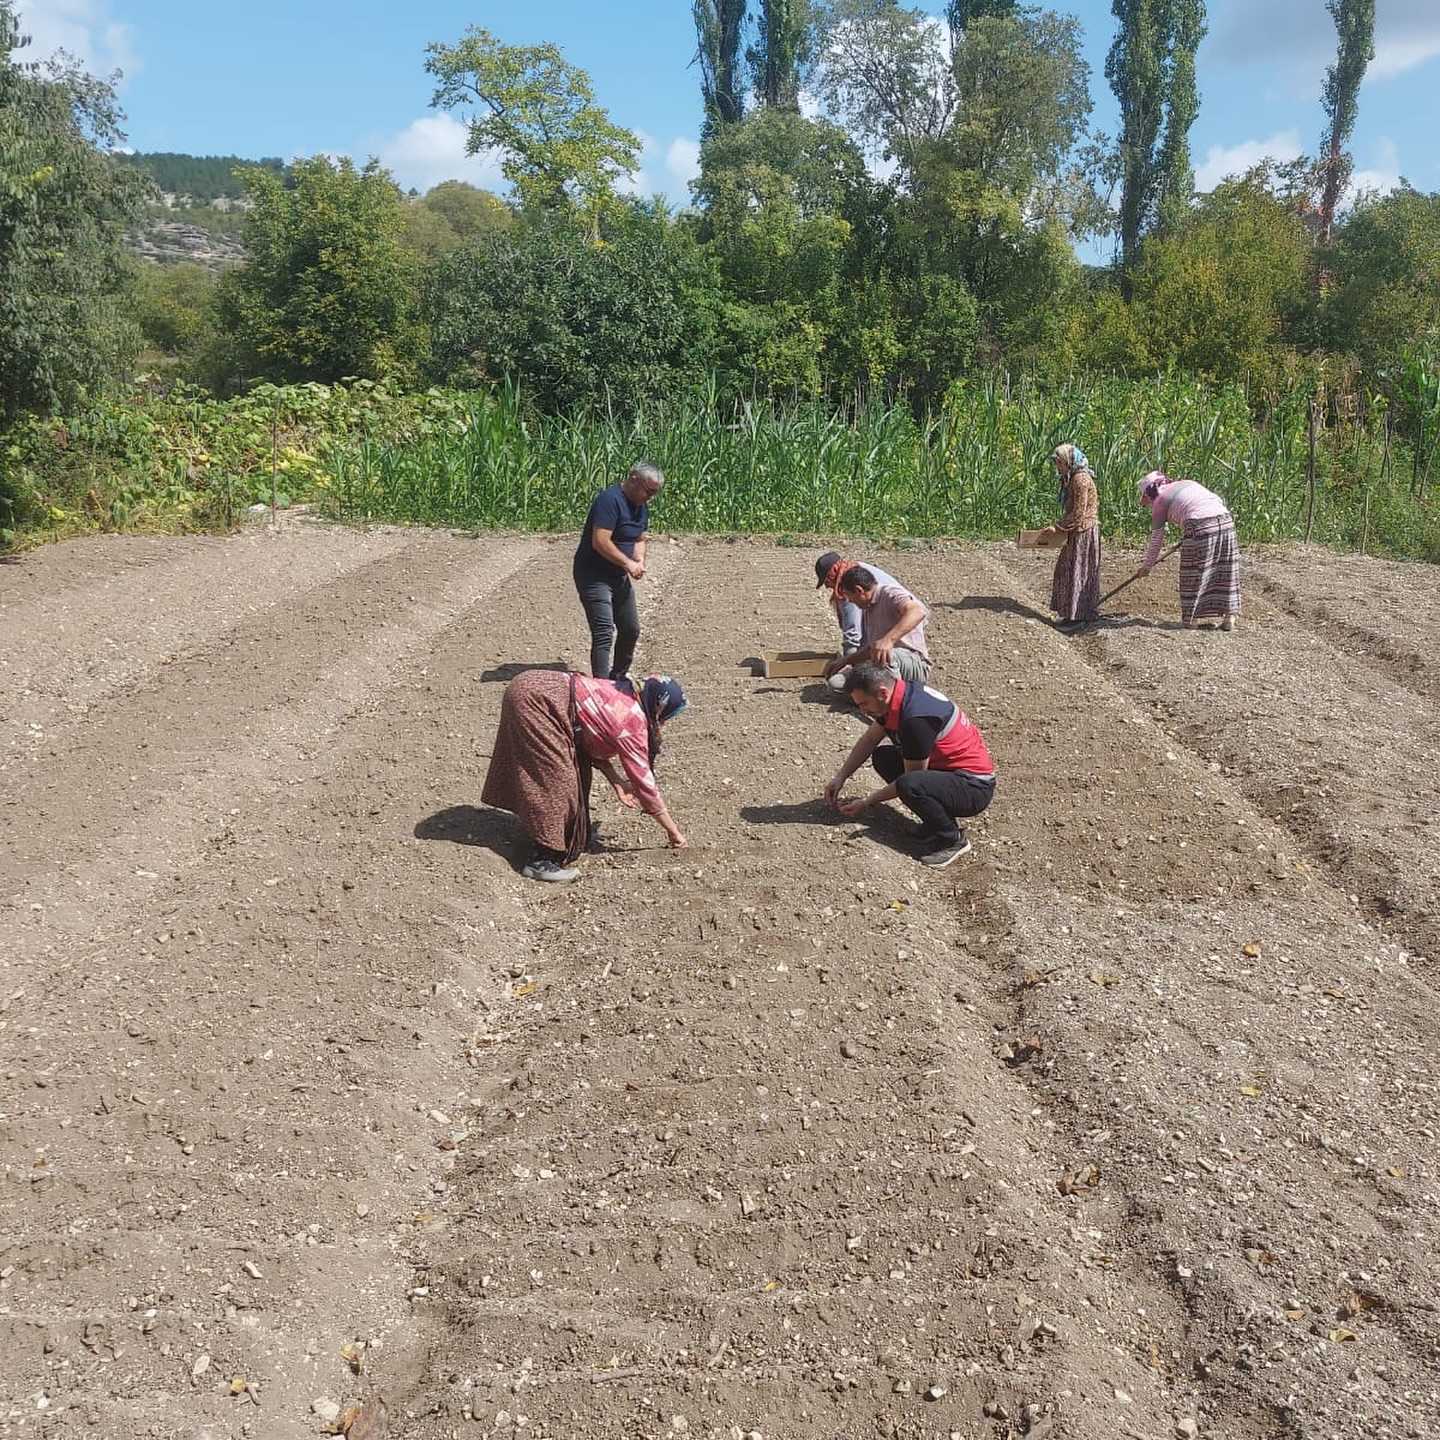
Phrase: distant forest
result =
(200, 179)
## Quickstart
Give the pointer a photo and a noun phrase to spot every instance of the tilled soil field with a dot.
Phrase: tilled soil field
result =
(1122, 1126)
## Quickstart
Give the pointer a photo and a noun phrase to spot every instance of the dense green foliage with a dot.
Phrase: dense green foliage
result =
(198, 180)
(1218, 297)
(64, 206)
(977, 466)
(180, 458)
(329, 288)
(586, 325)
(839, 300)
(959, 13)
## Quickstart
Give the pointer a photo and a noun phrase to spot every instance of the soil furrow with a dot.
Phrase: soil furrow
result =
(133, 605)
(1127, 1119)
(233, 721)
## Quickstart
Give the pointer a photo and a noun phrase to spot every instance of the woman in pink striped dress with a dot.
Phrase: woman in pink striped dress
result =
(1209, 551)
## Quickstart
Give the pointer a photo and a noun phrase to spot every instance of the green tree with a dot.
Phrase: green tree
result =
(812, 166)
(885, 73)
(994, 201)
(1022, 109)
(1151, 69)
(719, 27)
(959, 14)
(174, 307)
(467, 209)
(558, 148)
(64, 207)
(1221, 294)
(452, 214)
(196, 180)
(426, 232)
(1383, 288)
(781, 52)
(1355, 26)
(327, 292)
(776, 190)
(577, 326)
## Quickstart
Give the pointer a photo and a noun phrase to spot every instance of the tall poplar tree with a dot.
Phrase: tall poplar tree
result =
(782, 50)
(1355, 26)
(719, 27)
(959, 14)
(1151, 69)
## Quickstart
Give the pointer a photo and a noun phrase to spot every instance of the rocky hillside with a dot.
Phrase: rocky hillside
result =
(169, 241)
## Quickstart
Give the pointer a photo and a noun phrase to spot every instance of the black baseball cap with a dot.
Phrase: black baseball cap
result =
(824, 565)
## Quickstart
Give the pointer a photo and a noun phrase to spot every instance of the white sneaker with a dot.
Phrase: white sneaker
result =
(543, 869)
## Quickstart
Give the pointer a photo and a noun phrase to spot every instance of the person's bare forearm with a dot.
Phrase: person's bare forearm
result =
(608, 550)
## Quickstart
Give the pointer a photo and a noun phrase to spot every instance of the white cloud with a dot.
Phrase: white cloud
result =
(432, 149)
(1382, 174)
(638, 183)
(1301, 34)
(81, 27)
(664, 170)
(1223, 161)
(682, 161)
(1404, 47)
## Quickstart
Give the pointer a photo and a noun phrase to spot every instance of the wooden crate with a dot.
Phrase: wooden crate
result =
(1031, 540)
(794, 664)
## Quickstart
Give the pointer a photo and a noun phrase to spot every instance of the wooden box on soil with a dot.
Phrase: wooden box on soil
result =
(793, 664)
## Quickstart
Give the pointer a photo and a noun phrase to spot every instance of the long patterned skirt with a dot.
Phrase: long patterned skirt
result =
(1209, 569)
(536, 769)
(1075, 590)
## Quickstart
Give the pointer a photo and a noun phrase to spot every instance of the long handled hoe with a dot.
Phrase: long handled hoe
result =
(1110, 594)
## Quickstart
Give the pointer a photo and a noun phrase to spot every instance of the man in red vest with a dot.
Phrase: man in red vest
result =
(929, 753)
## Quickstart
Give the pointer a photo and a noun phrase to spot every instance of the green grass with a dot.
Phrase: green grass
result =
(484, 460)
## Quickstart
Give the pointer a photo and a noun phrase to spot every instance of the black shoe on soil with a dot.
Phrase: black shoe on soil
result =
(940, 853)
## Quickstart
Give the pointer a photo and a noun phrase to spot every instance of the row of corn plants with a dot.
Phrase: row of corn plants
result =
(978, 467)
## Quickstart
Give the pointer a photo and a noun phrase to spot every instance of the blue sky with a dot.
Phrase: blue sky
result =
(347, 77)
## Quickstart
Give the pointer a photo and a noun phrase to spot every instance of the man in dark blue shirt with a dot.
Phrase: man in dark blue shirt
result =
(611, 556)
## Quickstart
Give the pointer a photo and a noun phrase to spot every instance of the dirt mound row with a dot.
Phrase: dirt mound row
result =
(1124, 1122)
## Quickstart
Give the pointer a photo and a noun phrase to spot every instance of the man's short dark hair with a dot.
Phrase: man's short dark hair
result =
(858, 577)
(868, 676)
